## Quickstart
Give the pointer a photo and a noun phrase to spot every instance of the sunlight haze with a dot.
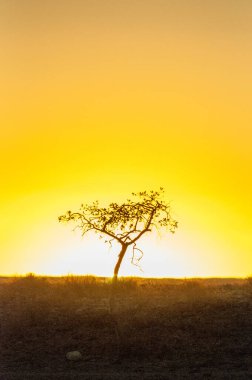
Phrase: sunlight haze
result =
(103, 98)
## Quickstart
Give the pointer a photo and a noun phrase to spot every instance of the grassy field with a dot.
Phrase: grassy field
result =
(158, 328)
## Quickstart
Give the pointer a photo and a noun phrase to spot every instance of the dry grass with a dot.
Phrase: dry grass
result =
(169, 328)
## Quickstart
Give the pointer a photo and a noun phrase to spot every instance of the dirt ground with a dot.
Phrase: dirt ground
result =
(158, 329)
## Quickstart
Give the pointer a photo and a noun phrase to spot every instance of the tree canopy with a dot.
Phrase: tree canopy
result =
(125, 223)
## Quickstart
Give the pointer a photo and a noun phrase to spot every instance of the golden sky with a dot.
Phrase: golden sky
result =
(100, 98)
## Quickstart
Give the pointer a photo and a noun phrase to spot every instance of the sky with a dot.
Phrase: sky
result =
(103, 98)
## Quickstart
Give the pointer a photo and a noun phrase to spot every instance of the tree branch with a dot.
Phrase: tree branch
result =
(133, 258)
(94, 227)
(146, 229)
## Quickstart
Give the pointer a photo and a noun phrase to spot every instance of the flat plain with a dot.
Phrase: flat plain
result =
(157, 328)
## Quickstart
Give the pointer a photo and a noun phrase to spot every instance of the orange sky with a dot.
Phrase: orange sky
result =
(102, 98)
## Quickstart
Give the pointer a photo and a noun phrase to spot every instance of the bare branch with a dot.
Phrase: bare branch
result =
(135, 261)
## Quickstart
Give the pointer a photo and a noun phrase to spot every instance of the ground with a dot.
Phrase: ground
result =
(157, 329)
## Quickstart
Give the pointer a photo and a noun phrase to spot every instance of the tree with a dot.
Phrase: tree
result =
(125, 223)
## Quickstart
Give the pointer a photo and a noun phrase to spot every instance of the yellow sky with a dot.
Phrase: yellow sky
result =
(102, 98)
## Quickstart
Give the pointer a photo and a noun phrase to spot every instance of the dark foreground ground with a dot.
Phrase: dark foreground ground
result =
(168, 329)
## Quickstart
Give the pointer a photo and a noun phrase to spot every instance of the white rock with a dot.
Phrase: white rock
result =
(73, 355)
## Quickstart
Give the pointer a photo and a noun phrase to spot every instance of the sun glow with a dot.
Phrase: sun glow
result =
(100, 99)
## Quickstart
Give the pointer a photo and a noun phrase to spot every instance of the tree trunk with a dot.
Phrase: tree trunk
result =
(119, 261)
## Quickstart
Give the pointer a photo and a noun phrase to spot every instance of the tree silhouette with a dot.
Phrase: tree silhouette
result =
(125, 223)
